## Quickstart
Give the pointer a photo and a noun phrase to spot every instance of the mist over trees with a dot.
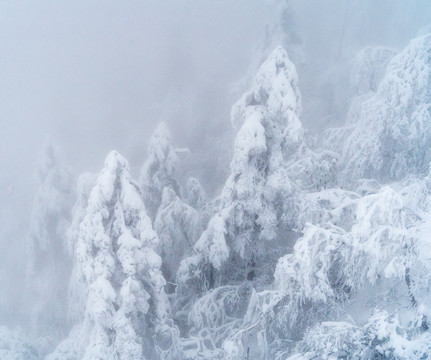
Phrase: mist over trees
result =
(275, 203)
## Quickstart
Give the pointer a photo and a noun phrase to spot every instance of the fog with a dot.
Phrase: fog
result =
(92, 76)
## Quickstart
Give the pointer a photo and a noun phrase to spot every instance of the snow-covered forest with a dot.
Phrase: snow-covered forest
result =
(233, 180)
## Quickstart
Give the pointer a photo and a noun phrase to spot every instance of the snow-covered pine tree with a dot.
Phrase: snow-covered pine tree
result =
(158, 170)
(346, 85)
(195, 194)
(126, 312)
(178, 226)
(388, 134)
(197, 198)
(49, 264)
(257, 209)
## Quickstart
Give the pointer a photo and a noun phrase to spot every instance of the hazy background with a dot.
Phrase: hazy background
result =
(99, 75)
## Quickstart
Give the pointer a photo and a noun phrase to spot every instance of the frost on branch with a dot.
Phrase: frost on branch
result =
(329, 265)
(213, 317)
(330, 262)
